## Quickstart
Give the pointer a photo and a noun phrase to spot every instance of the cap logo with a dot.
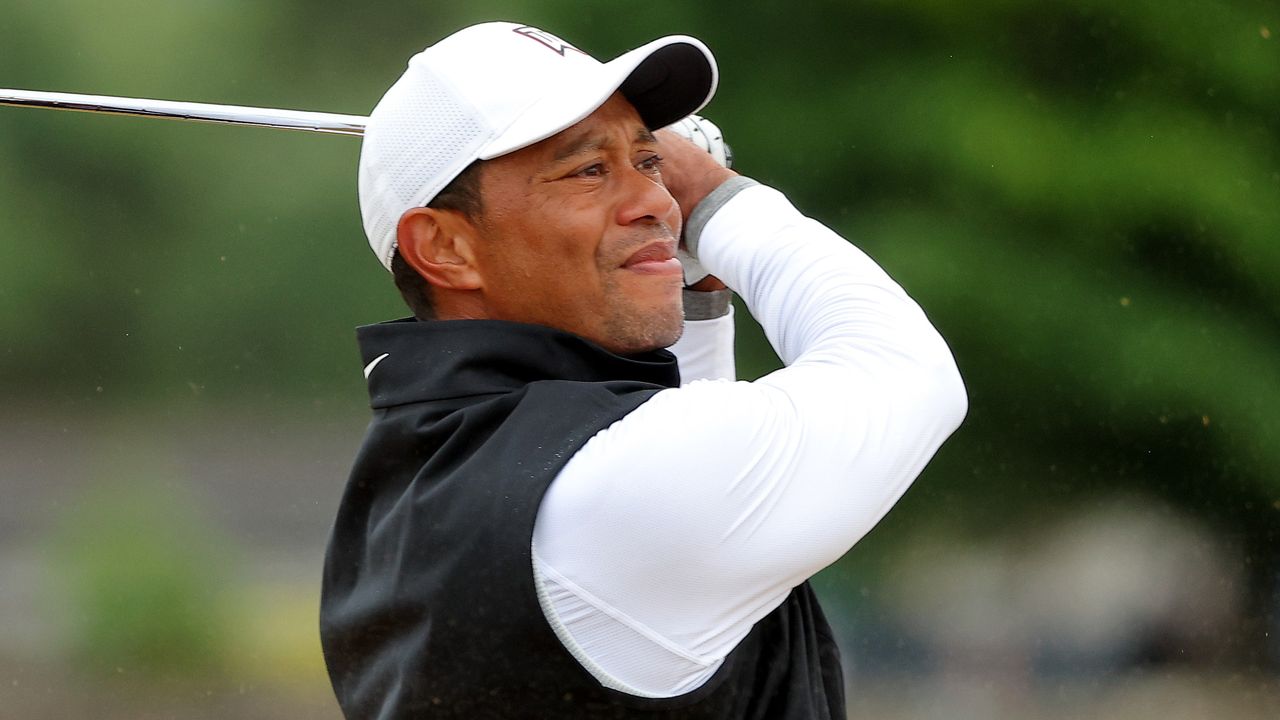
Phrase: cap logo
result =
(546, 39)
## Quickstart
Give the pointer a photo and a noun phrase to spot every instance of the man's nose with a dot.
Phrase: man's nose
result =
(644, 199)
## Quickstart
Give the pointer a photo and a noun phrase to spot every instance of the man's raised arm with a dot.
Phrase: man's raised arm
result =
(681, 525)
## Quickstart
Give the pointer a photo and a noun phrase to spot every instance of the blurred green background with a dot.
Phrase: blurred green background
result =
(1084, 196)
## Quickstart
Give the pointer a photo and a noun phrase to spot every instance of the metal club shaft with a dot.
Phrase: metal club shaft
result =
(331, 123)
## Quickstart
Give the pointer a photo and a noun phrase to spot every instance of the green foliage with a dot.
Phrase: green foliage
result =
(144, 581)
(1083, 195)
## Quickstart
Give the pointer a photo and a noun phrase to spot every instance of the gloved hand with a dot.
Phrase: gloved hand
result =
(706, 135)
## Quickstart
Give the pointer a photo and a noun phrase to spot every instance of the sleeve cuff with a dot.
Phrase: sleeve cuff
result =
(708, 207)
(706, 305)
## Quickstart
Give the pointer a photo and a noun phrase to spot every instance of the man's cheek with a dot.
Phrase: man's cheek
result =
(674, 219)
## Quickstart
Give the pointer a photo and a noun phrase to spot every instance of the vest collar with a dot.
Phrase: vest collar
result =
(410, 361)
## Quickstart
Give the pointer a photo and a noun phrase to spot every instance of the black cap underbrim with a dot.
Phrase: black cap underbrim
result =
(674, 81)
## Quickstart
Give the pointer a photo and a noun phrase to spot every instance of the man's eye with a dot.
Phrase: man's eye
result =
(651, 164)
(595, 170)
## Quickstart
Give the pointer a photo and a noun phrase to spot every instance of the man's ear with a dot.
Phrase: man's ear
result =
(440, 245)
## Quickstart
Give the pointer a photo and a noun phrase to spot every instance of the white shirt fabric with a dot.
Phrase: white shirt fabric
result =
(672, 531)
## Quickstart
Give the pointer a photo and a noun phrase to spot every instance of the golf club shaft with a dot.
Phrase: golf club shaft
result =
(198, 112)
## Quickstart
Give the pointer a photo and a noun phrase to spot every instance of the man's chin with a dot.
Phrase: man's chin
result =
(665, 338)
(646, 332)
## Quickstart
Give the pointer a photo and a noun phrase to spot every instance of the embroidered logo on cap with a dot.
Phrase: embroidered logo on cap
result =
(545, 38)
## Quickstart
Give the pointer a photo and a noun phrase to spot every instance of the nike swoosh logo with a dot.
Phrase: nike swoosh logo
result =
(369, 368)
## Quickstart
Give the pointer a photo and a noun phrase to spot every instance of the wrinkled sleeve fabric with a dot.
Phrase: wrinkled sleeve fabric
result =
(674, 530)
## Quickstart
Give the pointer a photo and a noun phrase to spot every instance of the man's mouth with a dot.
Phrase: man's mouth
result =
(656, 258)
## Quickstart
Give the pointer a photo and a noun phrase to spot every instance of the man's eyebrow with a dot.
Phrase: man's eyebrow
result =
(590, 143)
(580, 146)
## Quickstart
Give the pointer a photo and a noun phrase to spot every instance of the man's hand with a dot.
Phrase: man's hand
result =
(690, 172)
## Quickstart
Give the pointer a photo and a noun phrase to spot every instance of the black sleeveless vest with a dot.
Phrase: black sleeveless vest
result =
(429, 607)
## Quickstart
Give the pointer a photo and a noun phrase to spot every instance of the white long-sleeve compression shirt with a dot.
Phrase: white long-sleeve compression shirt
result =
(672, 531)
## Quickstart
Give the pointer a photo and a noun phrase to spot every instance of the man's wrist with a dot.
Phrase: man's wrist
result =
(708, 207)
(708, 283)
(706, 305)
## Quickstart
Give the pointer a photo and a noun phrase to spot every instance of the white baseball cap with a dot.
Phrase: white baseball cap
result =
(494, 88)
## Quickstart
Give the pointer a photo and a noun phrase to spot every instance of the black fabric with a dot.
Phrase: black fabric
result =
(672, 82)
(429, 607)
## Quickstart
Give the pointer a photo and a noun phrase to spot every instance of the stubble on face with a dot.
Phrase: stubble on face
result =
(558, 235)
(638, 329)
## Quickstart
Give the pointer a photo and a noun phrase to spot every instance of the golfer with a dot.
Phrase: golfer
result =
(553, 515)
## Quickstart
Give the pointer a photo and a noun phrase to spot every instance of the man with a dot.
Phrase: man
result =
(543, 522)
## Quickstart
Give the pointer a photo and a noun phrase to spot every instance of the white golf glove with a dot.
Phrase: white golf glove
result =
(703, 133)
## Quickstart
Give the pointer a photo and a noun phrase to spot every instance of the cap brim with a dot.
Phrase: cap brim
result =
(665, 80)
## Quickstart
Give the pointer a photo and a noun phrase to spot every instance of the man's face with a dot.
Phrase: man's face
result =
(579, 233)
